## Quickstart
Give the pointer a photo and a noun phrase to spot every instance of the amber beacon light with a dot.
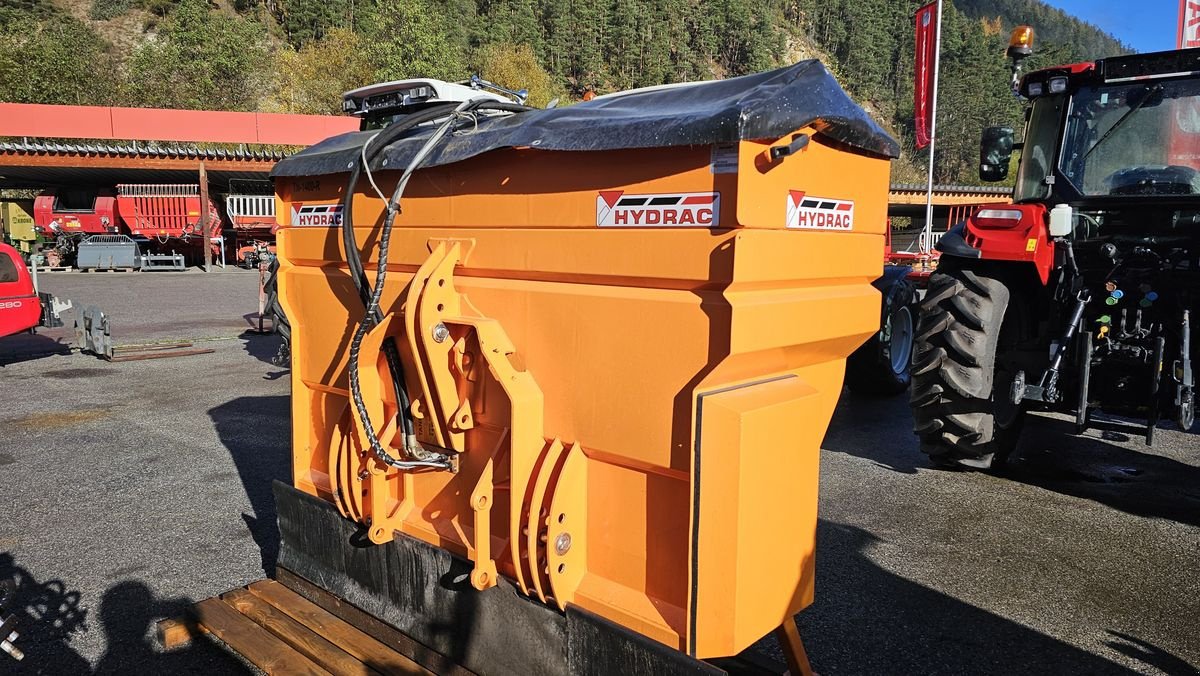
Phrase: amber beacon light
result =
(1020, 43)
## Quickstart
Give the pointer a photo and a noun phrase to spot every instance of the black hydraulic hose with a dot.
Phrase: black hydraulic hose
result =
(354, 260)
(374, 146)
(371, 297)
(372, 313)
(382, 140)
(278, 318)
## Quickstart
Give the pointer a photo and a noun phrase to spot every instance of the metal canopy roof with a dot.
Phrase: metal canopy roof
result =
(38, 164)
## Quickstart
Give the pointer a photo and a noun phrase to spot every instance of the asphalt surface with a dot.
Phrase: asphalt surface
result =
(133, 489)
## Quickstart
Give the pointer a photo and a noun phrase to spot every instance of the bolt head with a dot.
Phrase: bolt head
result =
(562, 543)
(440, 333)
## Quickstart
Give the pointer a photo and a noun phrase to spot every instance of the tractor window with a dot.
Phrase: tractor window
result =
(1135, 139)
(8, 269)
(1037, 157)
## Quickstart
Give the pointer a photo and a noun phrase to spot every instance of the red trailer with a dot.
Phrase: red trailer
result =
(164, 211)
(154, 213)
(254, 226)
(75, 212)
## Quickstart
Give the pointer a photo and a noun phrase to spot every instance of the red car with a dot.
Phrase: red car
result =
(20, 305)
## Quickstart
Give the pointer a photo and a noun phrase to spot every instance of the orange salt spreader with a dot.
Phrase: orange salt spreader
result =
(571, 423)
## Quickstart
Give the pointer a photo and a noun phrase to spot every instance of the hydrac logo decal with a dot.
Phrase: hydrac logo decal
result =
(818, 213)
(317, 215)
(616, 209)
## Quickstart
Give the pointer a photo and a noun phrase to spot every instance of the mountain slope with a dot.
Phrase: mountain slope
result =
(296, 55)
(1052, 26)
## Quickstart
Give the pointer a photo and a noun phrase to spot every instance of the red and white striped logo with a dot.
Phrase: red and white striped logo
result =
(317, 215)
(693, 209)
(818, 213)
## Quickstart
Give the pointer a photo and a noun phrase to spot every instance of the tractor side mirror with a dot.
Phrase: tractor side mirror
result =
(995, 152)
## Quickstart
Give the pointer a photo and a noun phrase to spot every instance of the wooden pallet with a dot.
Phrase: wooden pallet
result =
(292, 626)
(108, 269)
(281, 632)
(54, 268)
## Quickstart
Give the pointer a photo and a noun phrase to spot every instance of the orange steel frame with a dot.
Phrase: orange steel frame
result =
(636, 413)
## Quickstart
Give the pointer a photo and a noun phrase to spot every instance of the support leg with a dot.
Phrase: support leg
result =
(788, 635)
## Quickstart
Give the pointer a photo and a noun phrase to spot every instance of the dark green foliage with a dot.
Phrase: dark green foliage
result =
(871, 42)
(47, 57)
(1075, 40)
(306, 20)
(202, 58)
(14, 11)
(409, 38)
(205, 56)
(103, 10)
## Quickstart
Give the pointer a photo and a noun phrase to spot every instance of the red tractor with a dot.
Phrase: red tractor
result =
(1077, 297)
(22, 308)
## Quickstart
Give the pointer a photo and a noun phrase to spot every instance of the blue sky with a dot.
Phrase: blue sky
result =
(1145, 25)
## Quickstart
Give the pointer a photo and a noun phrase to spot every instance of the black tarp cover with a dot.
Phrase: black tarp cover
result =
(763, 106)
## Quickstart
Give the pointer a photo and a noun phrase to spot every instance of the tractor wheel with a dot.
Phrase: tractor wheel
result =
(881, 366)
(963, 371)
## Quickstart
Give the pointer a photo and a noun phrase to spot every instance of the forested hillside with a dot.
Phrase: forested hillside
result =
(299, 55)
(1054, 26)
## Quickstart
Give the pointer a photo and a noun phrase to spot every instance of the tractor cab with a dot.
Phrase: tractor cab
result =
(1078, 297)
(1099, 133)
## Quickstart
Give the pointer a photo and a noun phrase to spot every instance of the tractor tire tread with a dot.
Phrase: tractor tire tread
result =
(957, 339)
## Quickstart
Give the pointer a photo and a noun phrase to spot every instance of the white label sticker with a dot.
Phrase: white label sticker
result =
(694, 209)
(818, 213)
(316, 215)
(724, 158)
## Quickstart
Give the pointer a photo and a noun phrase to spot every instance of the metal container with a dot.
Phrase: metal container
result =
(615, 361)
(108, 252)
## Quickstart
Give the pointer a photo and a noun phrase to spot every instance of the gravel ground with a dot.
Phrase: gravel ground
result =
(134, 489)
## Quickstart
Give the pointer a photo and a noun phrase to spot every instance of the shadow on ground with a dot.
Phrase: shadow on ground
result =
(26, 346)
(866, 426)
(265, 347)
(1125, 476)
(49, 613)
(1131, 478)
(257, 433)
(868, 620)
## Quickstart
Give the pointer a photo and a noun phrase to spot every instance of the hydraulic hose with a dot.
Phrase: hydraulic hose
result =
(371, 296)
(370, 151)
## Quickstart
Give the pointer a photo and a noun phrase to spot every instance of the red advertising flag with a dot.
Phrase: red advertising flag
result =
(1189, 24)
(927, 34)
(1184, 144)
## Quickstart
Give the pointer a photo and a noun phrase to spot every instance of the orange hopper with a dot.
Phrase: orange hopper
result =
(617, 331)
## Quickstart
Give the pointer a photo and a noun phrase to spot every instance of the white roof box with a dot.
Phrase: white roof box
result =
(403, 93)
